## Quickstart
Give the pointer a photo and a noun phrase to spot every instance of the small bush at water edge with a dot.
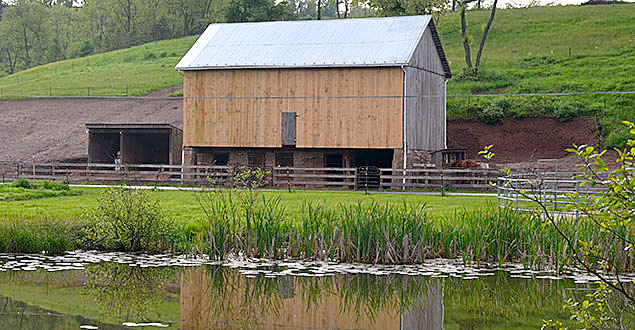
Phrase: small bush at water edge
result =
(127, 220)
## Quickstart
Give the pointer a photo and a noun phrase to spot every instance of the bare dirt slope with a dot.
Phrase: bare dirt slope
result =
(53, 129)
(522, 141)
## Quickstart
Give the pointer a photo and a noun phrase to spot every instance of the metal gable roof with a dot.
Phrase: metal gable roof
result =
(386, 41)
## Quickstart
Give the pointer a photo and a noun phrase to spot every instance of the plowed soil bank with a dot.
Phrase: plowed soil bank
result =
(521, 140)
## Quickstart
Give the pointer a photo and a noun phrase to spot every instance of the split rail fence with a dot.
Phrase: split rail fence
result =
(362, 178)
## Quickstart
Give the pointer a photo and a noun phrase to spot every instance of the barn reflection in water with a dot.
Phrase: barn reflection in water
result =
(217, 298)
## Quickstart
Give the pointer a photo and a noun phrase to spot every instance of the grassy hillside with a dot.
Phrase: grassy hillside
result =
(142, 69)
(534, 50)
(546, 50)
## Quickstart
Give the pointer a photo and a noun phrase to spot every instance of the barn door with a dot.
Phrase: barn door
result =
(288, 128)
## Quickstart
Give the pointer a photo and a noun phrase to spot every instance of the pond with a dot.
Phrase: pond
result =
(89, 290)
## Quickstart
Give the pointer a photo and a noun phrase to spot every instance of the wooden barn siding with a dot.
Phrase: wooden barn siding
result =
(425, 126)
(321, 123)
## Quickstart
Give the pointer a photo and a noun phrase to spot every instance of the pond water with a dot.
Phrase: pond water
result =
(86, 290)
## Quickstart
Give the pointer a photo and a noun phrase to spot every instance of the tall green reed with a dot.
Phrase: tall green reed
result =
(35, 235)
(400, 233)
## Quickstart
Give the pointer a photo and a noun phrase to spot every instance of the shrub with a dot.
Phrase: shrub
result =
(127, 220)
(566, 112)
(617, 138)
(52, 185)
(86, 49)
(149, 55)
(23, 183)
(492, 114)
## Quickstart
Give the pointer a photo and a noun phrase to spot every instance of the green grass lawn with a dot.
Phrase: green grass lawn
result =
(11, 193)
(142, 69)
(548, 50)
(186, 206)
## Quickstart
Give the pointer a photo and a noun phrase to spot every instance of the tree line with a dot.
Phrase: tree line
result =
(35, 32)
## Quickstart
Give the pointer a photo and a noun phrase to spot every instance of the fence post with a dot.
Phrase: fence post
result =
(577, 201)
(366, 182)
(442, 183)
(19, 170)
(156, 181)
(498, 196)
(34, 176)
(288, 179)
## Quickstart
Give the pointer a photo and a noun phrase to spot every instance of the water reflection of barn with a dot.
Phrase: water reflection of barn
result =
(337, 93)
(238, 303)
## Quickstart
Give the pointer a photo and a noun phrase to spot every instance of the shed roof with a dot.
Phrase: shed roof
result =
(360, 42)
(130, 126)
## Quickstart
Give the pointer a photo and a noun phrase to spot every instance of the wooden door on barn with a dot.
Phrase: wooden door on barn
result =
(289, 128)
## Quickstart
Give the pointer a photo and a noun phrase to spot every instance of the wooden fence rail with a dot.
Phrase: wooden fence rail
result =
(278, 177)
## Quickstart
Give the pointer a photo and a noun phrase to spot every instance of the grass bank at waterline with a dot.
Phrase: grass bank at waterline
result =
(347, 227)
(395, 234)
(35, 219)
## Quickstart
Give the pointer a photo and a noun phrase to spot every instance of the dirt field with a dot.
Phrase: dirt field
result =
(53, 129)
(522, 142)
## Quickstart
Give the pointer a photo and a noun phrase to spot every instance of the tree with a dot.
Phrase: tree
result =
(3, 5)
(63, 26)
(10, 48)
(408, 7)
(610, 212)
(473, 69)
(193, 14)
(258, 11)
(126, 12)
(25, 22)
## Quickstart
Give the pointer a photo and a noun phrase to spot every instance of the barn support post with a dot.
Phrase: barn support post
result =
(182, 163)
(405, 142)
(445, 115)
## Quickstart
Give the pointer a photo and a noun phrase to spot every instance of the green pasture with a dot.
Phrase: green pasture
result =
(186, 205)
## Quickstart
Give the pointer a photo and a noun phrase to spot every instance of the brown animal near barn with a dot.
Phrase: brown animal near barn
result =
(469, 163)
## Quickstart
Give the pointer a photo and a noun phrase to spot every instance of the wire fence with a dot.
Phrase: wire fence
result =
(131, 92)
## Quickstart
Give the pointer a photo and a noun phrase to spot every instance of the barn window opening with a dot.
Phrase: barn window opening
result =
(256, 159)
(381, 158)
(334, 160)
(284, 159)
(221, 159)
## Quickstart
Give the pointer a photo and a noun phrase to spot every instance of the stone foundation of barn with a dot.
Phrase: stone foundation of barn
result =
(295, 157)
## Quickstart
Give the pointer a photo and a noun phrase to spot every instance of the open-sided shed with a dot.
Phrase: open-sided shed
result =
(134, 143)
(341, 93)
